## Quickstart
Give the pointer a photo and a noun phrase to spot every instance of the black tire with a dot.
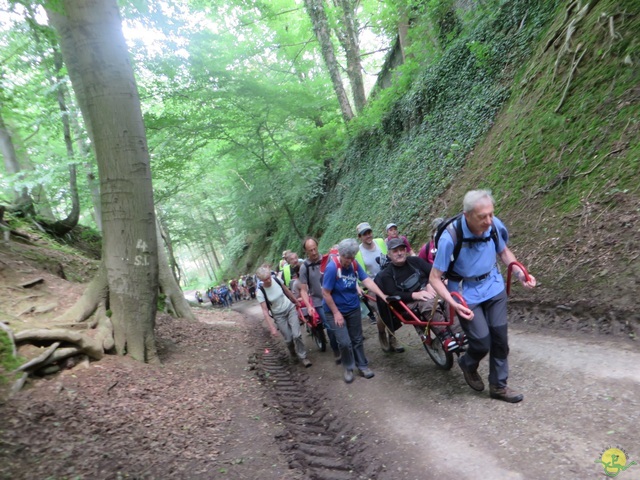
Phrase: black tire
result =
(319, 338)
(442, 359)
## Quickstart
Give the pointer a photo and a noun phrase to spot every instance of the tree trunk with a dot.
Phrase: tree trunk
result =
(206, 260)
(219, 229)
(173, 263)
(62, 227)
(73, 69)
(92, 42)
(215, 255)
(12, 166)
(348, 37)
(315, 9)
(168, 283)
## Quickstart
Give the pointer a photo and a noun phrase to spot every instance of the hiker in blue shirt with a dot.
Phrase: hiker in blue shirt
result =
(477, 278)
(342, 306)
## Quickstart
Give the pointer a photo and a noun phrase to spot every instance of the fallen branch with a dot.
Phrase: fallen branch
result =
(573, 69)
(9, 333)
(34, 362)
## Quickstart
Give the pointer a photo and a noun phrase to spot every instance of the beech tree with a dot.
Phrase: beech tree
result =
(92, 42)
(347, 33)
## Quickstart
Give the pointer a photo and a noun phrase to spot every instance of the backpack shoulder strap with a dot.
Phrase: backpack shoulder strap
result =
(494, 235)
(266, 299)
(355, 268)
(455, 230)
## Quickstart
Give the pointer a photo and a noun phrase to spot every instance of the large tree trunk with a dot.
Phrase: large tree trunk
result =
(92, 42)
(348, 36)
(315, 9)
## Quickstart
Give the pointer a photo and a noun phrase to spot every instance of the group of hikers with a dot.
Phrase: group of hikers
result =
(461, 257)
(225, 294)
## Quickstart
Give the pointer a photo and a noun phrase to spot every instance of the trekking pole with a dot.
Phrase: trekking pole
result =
(510, 269)
(458, 298)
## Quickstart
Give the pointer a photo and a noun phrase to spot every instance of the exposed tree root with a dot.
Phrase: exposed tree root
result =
(17, 386)
(95, 293)
(37, 362)
(573, 69)
(91, 346)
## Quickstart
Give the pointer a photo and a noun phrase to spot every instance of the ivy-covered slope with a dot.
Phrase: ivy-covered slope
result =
(539, 102)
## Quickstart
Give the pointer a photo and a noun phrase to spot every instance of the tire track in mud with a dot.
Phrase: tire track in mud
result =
(316, 441)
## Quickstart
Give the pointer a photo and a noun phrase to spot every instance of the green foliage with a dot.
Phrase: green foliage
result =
(583, 148)
(394, 170)
(8, 362)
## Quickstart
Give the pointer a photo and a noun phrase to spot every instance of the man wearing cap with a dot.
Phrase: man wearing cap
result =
(283, 261)
(371, 255)
(407, 277)
(291, 269)
(392, 232)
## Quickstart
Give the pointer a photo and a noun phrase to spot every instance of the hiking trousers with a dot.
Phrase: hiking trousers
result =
(487, 333)
(350, 339)
(289, 326)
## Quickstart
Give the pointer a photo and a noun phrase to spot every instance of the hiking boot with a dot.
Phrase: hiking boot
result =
(348, 376)
(393, 344)
(366, 372)
(306, 362)
(384, 341)
(337, 357)
(472, 378)
(372, 320)
(505, 394)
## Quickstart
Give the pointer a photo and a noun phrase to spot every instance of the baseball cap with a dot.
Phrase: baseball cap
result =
(395, 243)
(389, 225)
(363, 227)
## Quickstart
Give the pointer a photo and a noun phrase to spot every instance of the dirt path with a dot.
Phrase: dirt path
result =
(582, 396)
(226, 404)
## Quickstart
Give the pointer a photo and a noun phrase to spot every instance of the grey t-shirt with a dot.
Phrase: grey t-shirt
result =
(312, 278)
(371, 259)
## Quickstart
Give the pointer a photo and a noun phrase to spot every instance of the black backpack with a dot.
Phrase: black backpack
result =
(453, 225)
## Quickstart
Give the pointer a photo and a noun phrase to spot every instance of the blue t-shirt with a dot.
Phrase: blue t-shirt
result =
(475, 259)
(343, 289)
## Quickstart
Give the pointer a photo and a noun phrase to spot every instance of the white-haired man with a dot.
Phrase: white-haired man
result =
(475, 275)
